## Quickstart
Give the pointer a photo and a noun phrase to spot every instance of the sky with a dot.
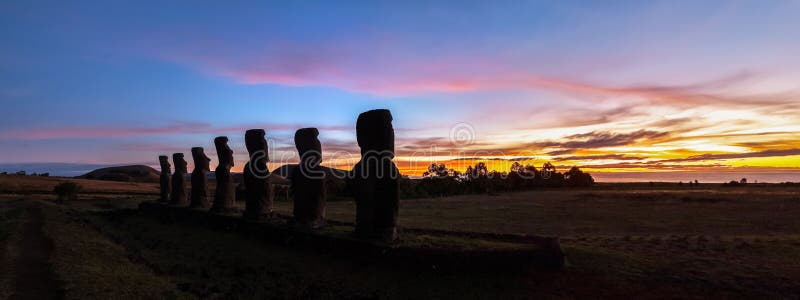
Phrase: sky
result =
(622, 86)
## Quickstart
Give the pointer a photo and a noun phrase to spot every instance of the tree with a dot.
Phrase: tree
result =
(440, 170)
(479, 170)
(432, 170)
(67, 191)
(530, 170)
(577, 178)
(743, 181)
(517, 167)
(520, 176)
(548, 169)
(515, 181)
(548, 176)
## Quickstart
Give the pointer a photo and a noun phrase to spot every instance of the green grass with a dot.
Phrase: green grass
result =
(9, 219)
(90, 266)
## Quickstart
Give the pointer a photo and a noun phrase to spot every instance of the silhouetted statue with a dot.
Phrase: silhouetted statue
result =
(166, 183)
(258, 195)
(225, 195)
(375, 177)
(178, 195)
(308, 180)
(199, 192)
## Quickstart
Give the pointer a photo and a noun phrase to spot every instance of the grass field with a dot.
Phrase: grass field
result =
(620, 240)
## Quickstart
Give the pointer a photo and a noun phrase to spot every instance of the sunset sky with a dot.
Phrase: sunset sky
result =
(612, 86)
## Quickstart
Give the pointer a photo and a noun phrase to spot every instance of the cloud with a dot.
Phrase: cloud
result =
(477, 158)
(772, 144)
(602, 139)
(598, 157)
(650, 165)
(99, 132)
(177, 128)
(380, 64)
(523, 158)
(560, 152)
(709, 156)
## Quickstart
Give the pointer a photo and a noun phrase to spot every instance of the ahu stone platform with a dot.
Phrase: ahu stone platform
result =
(421, 248)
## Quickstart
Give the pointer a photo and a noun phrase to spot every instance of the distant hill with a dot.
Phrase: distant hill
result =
(134, 173)
(52, 168)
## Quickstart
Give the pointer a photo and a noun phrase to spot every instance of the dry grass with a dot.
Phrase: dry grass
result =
(16, 184)
(603, 212)
(741, 240)
(621, 241)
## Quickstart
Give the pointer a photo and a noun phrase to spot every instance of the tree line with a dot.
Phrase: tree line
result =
(440, 180)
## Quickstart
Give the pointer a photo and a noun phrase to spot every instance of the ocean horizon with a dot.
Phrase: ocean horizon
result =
(702, 177)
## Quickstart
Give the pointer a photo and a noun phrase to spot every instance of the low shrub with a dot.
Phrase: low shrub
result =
(67, 191)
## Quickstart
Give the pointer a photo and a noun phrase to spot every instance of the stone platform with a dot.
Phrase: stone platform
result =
(421, 248)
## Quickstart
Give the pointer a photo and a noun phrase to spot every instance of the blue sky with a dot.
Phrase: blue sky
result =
(121, 82)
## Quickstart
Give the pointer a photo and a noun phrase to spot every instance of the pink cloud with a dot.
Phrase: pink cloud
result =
(387, 64)
(179, 128)
(381, 73)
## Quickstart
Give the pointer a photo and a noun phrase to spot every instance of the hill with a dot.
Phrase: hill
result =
(133, 173)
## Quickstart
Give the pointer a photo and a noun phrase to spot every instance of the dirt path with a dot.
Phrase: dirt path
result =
(33, 277)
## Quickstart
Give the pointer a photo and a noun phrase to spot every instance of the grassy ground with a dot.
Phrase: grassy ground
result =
(9, 219)
(718, 211)
(742, 240)
(17, 184)
(621, 241)
(84, 263)
(212, 264)
(91, 266)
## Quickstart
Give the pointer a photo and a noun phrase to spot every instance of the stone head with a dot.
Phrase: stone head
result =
(180, 163)
(308, 144)
(164, 161)
(374, 132)
(201, 161)
(224, 153)
(255, 142)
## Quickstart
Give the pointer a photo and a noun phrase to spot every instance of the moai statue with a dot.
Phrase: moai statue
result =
(166, 183)
(178, 196)
(258, 195)
(225, 195)
(308, 181)
(375, 178)
(199, 192)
